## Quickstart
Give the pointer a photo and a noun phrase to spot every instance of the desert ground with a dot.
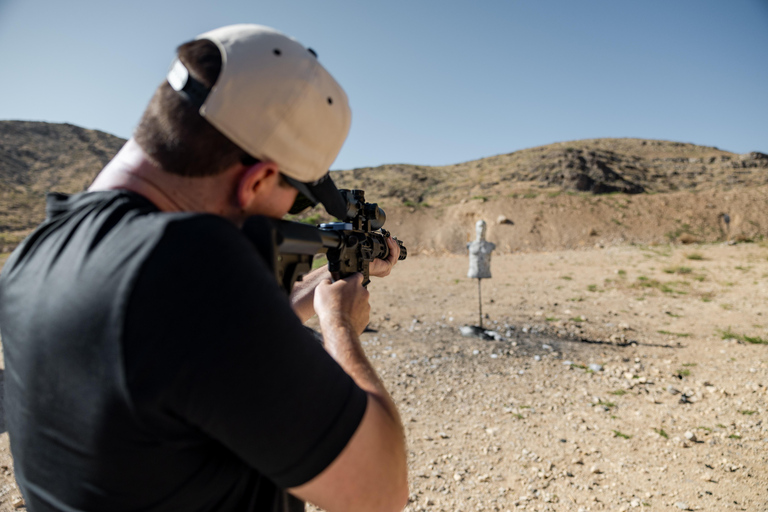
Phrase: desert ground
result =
(623, 377)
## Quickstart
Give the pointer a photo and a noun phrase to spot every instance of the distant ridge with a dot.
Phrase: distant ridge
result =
(596, 166)
(37, 157)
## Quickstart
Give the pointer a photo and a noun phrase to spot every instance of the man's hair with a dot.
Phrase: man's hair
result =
(172, 131)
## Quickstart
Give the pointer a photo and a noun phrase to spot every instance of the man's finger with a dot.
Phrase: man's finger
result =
(394, 251)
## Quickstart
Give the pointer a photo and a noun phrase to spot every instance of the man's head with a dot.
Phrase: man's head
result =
(243, 94)
(480, 230)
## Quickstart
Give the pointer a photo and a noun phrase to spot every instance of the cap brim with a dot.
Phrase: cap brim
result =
(321, 191)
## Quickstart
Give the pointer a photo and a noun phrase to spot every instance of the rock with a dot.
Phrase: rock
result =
(596, 367)
(673, 391)
(567, 363)
(495, 335)
(484, 478)
(690, 436)
(503, 220)
(682, 505)
(18, 502)
(458, 477)
(595, 470)
(687, 238)
(473, 331)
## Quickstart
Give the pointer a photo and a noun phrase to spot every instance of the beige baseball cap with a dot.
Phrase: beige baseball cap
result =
(277, 102)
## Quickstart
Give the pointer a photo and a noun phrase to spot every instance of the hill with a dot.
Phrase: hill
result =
(597, 166)
(561, 195)
(38, 157)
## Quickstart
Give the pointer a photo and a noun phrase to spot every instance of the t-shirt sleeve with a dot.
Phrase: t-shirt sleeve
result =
(211, 342)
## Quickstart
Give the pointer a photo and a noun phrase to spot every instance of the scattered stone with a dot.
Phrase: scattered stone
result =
(682, 505)
(473, 331)
(673, 390)
(690, 436)
(595, 470)
(596, 367)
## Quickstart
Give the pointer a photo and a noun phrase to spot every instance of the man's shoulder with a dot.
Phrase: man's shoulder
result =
(205, 238)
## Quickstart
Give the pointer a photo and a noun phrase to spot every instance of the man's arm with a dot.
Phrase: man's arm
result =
(303, 293)
(371, 472)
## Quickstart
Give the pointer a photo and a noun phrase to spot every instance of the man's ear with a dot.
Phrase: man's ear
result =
(255, 181)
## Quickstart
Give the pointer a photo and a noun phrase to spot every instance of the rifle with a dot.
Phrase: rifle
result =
(350, 246)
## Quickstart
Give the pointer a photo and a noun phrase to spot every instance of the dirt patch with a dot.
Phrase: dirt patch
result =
(554, 220)
(671, 418)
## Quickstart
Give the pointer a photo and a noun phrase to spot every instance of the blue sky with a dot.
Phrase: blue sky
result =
(430, 82)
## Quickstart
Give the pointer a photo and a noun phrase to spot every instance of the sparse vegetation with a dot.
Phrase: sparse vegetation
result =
(616, 433)
(319, 261)
(678, 270)
(678, 334)
(661, 432)
(727, 334)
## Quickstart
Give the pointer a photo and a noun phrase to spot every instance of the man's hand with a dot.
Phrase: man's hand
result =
(382, 268)
(371, 473)
(343, 303)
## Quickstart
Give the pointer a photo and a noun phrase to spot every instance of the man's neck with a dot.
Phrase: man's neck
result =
(132, 169)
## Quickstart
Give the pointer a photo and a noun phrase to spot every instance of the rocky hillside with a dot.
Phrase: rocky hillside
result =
(38, 157)
(546, 197)
(597, 166)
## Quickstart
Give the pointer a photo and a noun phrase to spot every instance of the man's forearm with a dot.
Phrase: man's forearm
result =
(303, 293)
(344, 346)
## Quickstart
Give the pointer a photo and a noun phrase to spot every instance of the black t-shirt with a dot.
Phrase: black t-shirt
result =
(153, 363)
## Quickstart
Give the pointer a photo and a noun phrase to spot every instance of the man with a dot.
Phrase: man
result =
(152, 362)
